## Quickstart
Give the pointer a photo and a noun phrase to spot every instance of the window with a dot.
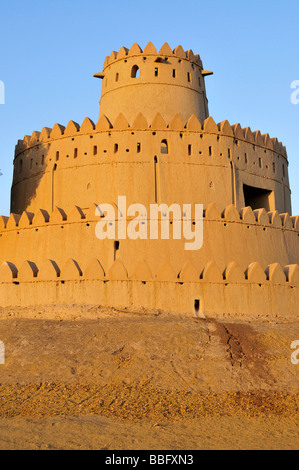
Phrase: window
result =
(164, 146)
(135, 71)
(116, 249)
(43, 160)
(57, 156)
(115, 148)
(210, 151)
(138, 147)
(196, 306)
(174, 73)
(156, 71)
(95, 150)
(188, 77)
(75, 153)
(257, 198)
(21, 166)
(117, 77)
(189, 150)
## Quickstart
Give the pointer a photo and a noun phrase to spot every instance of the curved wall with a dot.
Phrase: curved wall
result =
(95, 164)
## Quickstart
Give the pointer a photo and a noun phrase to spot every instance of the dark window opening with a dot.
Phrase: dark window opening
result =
(57, 156)
(260, 162)
(196, 306)
(117, 77)
(138, 147)
(174, 73)
(164, 146)
(257, 198)
(116, 249)
(189, 77)
(95, 150)
(115, 148)
(43, 159)
(189, 150)
(21, 166)
(210, 151)
(135, 71)
(75, 153)
(156, 71)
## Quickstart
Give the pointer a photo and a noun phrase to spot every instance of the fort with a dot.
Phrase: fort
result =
(155, 143)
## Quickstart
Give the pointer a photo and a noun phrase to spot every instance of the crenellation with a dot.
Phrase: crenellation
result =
(49, 270)
(275, 274)
(71, 129)
(255, 273)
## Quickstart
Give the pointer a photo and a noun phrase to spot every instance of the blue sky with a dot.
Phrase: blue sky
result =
(50, 50)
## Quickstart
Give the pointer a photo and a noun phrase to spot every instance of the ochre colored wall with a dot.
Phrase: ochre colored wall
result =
(215, 160)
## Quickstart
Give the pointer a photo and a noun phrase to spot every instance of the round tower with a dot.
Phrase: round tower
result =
(168, 82)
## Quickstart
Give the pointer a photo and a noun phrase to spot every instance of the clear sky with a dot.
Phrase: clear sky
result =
(50, 50)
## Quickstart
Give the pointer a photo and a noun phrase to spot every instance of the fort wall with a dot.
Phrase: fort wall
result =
(103, 162)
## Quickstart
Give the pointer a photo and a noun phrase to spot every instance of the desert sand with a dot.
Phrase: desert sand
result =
(80, 377)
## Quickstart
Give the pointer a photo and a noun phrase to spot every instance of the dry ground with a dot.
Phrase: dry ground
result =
(90, 378)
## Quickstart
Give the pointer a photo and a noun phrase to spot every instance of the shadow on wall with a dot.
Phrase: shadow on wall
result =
(30, 168)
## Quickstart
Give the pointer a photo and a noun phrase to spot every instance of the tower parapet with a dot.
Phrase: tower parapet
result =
(168, 81)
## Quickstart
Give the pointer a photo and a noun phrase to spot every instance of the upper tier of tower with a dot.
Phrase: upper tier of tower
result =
(168, 82)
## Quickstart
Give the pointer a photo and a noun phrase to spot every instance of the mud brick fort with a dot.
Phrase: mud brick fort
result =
(154, 142)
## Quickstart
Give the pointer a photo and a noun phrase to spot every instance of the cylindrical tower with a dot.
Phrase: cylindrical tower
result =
(167, 82)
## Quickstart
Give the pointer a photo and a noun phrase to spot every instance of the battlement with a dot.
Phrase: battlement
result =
(235, 157)
(72, 270)
(193, 125)
(150, 50)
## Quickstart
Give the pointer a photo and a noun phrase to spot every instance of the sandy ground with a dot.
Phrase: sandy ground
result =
(87, 378)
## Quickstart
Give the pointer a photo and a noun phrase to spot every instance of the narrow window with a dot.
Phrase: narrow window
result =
(138, 147)
(75, 153)
(57, 156)
(164, 146)
(156, 71)
(95, 150)
(135, 71)
(43, 159)
(189, 77)
(210, 151)
(189, 150)
(116, 249)
(117, 77)
(115, 148)
(156, 178)
(174, 73)
(245, 157)
(260, 162)
(229, 154)
(196, 306)
(274, 167)
(21, 166)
